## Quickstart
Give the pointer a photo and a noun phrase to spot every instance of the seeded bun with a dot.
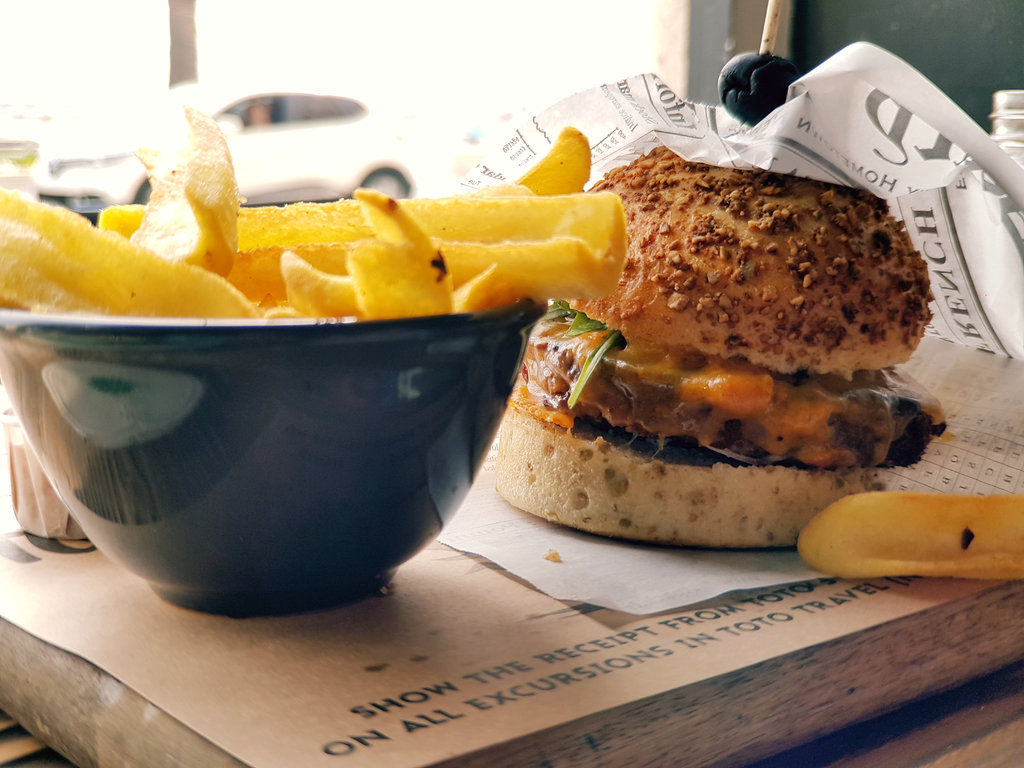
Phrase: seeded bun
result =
(789, 273)
(611, 490)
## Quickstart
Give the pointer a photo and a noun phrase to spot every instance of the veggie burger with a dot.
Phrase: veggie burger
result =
(740, 377)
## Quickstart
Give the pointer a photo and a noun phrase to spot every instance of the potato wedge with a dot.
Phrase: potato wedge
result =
(565, 169)
(54, 260)
(901, 533)
(192, 213)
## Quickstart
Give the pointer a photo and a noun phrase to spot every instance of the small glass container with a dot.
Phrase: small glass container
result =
(37, 508)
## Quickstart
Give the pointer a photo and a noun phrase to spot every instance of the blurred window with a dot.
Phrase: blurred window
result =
(253, 111)
(301, 106)
(258, 113)
(294, 108)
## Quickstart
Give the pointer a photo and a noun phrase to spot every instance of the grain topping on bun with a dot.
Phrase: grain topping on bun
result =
(785, 272)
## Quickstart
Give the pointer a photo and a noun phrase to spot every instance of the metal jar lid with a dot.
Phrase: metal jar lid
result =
(1007, 101)
(1008, 116)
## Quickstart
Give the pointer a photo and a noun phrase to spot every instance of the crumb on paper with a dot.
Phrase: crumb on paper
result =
(553, 556)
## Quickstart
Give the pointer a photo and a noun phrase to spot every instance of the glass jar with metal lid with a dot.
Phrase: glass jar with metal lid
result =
(1008, 122)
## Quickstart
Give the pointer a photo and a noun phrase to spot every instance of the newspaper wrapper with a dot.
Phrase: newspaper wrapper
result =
(37, 507)
(864, 118)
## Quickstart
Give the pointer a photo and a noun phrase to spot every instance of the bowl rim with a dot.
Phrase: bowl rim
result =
(20, 320)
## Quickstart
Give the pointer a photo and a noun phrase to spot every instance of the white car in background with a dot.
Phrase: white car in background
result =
(286, 147)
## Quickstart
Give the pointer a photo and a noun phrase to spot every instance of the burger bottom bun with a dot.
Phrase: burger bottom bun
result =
(610, 490)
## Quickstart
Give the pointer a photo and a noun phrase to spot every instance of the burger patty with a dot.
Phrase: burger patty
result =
(732, 407)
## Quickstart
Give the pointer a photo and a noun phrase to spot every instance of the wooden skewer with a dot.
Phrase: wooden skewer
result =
(771, 26)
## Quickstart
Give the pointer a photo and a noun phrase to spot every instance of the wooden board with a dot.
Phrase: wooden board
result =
(718, 692)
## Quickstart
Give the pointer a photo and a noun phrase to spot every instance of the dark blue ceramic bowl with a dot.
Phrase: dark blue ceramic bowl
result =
(249, 468)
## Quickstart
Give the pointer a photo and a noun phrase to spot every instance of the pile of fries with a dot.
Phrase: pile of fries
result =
(195, 251)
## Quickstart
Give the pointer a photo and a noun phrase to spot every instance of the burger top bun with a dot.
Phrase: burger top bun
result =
(787, 272)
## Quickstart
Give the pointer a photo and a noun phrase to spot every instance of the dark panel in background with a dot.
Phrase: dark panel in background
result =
(968, 48)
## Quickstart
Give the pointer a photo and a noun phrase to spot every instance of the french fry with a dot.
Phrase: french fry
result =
(504, 190)
(484, 290)
(282, 312)
(384, 289)
(401, 273)
(123, 219)
(55, 260)
(287, 226)
(557, 267)
(565, 169)
(597, 217)
(901, 533)
(257, 273)
(29, 264)
(391, 221)
(295, 224)
(192, 213)
(315, 293)
(302, 223)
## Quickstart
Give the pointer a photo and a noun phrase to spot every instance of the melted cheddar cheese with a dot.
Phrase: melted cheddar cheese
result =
(728, 405)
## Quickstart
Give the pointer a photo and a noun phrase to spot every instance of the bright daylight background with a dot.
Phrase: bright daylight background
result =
(462, 63)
